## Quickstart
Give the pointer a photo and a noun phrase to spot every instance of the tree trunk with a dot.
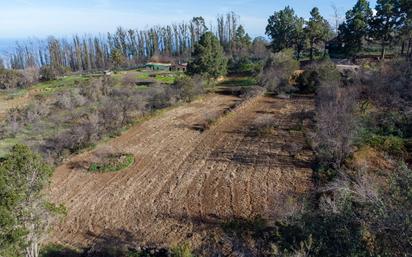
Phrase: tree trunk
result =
(409, 51)
(403, 47)
(311, 51)
(383, 51)
(32, 250)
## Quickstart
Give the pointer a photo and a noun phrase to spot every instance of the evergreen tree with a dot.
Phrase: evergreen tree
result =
(243, 41)
(208, 57)
(355, 29)
(317, 30)
(386, 22)
(299, 37)
(284, 28)
(23, 175)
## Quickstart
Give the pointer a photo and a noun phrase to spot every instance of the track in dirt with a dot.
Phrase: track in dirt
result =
(185, 183)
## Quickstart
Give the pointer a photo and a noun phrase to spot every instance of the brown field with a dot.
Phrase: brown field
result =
(184, 183)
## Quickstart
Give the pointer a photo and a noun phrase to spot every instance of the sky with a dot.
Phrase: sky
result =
(22, 19)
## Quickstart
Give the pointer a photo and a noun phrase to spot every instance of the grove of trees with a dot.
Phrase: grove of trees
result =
(389, 26)
(125, 48)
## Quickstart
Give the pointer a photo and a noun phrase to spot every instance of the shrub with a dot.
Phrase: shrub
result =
(182, 250)
(308, 82)
(335, 124)
(390, 87)
(316, 74)
(10, 79)
(113, 163)
(244, 66)
(49, 72)
(391, 144)
(277, 71)
(129, 79)
(188, 88)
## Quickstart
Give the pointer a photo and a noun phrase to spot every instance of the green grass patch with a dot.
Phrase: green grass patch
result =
(166, 78)
(113, 163)
(143, 75)
(50, 87)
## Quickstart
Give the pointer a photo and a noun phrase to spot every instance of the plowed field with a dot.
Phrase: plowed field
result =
(252, 162)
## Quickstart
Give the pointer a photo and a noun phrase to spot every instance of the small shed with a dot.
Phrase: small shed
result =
(158, 66)
(179, 67)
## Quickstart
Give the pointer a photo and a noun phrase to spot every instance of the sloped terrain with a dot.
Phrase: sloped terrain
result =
(184, 184)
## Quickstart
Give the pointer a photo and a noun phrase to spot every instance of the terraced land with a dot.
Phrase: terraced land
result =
(184, 184)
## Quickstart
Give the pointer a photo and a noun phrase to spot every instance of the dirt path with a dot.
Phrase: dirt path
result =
(184, 182)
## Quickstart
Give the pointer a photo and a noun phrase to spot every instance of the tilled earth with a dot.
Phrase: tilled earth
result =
(184, 184)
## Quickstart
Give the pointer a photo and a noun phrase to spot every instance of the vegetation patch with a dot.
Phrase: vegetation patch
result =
(112, 163)
(239, 226)
(240, 82)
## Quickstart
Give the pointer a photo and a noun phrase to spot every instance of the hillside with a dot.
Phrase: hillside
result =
(185, 184)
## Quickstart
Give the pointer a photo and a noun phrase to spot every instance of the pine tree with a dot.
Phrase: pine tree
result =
(208, 57)
(385, 24)
(284, 29)
(317, 30)
(23, 174)
(355, 29)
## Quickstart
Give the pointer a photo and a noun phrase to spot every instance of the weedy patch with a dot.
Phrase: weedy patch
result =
(112, 163)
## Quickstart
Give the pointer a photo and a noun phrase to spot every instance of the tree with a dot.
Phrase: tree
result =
(260, 48)
(243, 42)
(285, 30)
(299, 37)
(117, 58)
(23, 174)
(355, 29)
(198, 26)
(385, 23)
(317, 30)
(208, 57)
(2, 67)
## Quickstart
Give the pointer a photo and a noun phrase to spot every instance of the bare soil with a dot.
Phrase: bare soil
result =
(185, 183)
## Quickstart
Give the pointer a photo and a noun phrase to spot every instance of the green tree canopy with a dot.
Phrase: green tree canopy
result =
(208, 57)
(317, 30)
(356, 27)
(285, 29)
(385, 23)
(22, 177)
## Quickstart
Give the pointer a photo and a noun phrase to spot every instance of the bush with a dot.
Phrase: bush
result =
(10, 79)
(188, 88)
(277, 71)
(335, 125)
(49, 72)
(356, 216)
(316, 74)
(244, 66)
(129, 79)
(183, 250)
(390, 87)
(113, 163)
(391, 144)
